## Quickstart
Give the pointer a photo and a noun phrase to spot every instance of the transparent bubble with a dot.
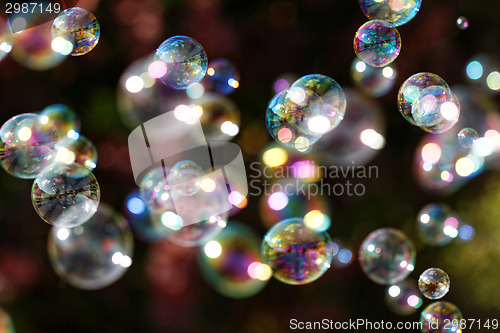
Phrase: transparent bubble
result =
(220, 117)
(437, 225)
(403, 297)
(436, 110)
(65, 195)
(377, 43)
(374, 81)
(6, 325)
(462, 23)
(314, 104)
(410, 92)
(443, 317)
(183, 60)
(434, 283)
(467, 137)
(80, 150)
(155, 190)
(185, 177)
(297, 254)
(26, 145)
(396, 12)
(6, 38)
(76, 32)
(222, 77)
(387, 256)
(137, 213)
(95, 254)
(231, 262)
(63, 119)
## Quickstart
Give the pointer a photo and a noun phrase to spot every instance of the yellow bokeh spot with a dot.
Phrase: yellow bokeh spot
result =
(275, 157)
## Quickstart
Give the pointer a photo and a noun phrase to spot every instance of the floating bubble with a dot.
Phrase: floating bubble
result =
(374, 81)
(222, 77)
(65, 195)
(434, 283)
(137, 213)
(6, 325)
(462, 23)
(410, 92)
(155, 190)
(403, 297)
(185, 177)
(297, 254)
(377, 43)
(77, 31)
(80, 150)
(6, 38)
(26, 145)
(95, 254)
(467, 137)
(443, 317)
(387, 256)
(220, 117)
(231, 262)
(396, 12)
(184, 60)
(436, 224)
(63, 119)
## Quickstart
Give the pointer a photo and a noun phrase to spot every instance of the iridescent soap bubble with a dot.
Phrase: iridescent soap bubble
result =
(436, 110)
(27, 145)
(462, 23)
(6, 37)
(436, 224)
(137, 213)
(231, 262)
(184, 61)
(80, 150)
(222, 76)
(410, 91)
(6, 325)
(314, 104)
(387, 256)
(65, 195)
(297, 254)
(396, 12)
(220, 117)
(403, 297)
(155, 190)
(75, 31)
(63, 119)
(434, 283)
(374, 81)
(95, 254)
(467, 137)
(441, 317)
(185, 177)
(377, 43)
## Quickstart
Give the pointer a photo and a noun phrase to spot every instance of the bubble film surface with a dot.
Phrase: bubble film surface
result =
(467, 137)
(377, 43)
(185, 177)
(441, 317)
(297, 254)
(77, 30)
(65, 195)
(80, 150)
(387, 256)
(374, 81)
(63, 119)
(184, 61)
(6, 38)
(222, 76)
(434, 283)
(436, 224)
(95, 254)
(26, 145)
(220, 117)
(155, 190)
(396, 12)
(403, 297)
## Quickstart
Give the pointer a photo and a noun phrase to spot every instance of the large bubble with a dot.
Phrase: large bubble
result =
(396, 12)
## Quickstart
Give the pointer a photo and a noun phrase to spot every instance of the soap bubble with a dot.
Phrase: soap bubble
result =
(377, 43)
(467, 137)
(387, 256)
(6, 325)
(403, 297)
(80, 150)
(95, 254)
(26, 145)
(76, 32)
(63, 119)
(437, 225)
(185, 177)
(155, 190)
(184, 61)
(410, 90)
(374, 81)
(436, 110)
(65, 195)
(434, 283)
(396, 12)
(222, 76)
(137, 213)
(6, 38)
(462, 23)
(231, 262)
(220, 117)
(297, 254)
(443, 317)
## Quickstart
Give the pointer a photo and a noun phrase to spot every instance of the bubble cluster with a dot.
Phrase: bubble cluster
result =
(443, 317)
(436, 224)
(185, 177)
(387, 256)
(403, 298)
(434, 283)
(63, 119)
(181, 61)
(467, 137)
(65, 195)
(75, 31)
(377, 43)
(296, 253)
(396, 12)
(374, 81)
(222, 76)
(6, 38)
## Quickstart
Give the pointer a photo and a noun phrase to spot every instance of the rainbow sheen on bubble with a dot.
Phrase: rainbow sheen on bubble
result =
(396, 12)
(185, 177)
(436, 224)
(27, 145)
(80, 150)
(6, 325)
(75, 31)
(434, 283)
(65, 195)
(441, 317)
(93, 255)
(377, 43)
(155, 190)
(222, 76)
(374, 81)
(387, 256)
(403, 297)
(220, 117)
(185, 62)
(6, 38)
(63, 119)
(297, 254)
(467, 137)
